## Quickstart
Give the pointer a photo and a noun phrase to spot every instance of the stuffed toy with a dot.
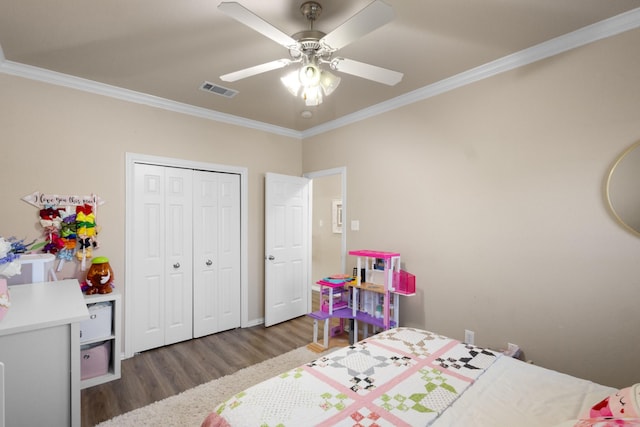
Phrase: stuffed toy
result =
(99, 277)
(621, 408)
(624, 403)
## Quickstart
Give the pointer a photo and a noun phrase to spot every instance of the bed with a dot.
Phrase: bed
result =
(411, 377)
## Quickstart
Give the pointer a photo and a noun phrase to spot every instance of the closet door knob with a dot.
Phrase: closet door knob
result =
(176, 265)
(209, 262)
(271, 258)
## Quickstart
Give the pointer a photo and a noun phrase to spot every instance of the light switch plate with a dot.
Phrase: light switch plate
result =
(355, 225)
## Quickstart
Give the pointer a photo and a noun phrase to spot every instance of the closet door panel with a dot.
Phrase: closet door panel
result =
(216, 290)
(229, 252)
(179, 255)
(149, 251)
(205, 244)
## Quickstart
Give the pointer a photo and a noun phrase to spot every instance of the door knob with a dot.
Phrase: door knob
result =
(271, 258)
(176, 265)
(209, 262)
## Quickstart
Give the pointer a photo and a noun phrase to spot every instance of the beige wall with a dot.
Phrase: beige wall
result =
(493, 194)
(63, 141)
(326, 245)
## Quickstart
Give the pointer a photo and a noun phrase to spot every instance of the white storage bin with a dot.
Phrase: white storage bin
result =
(99, 323)
(94, 360)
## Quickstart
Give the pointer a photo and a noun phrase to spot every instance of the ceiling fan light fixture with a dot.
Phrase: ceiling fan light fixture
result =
(312, 95)
(309, 75)
(292, 82)
(310, 83)
(329, 82)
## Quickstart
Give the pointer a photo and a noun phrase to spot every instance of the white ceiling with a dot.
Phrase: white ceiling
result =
(168, 48)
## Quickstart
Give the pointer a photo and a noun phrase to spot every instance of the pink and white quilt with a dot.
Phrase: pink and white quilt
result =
(399, 377)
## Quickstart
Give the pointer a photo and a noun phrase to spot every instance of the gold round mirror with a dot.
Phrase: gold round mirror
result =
(623, 188)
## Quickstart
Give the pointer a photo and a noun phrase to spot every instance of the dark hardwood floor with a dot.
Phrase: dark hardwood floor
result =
(159, 373)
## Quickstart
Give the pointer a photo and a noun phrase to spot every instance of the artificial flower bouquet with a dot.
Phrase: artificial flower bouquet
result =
(10, 251)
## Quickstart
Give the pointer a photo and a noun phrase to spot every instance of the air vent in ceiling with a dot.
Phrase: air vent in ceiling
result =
(218, 90)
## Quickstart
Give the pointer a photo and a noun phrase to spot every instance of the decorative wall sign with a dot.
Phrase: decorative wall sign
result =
(38, 200)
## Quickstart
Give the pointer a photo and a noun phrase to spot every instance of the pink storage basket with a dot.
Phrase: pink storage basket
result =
(94, 360)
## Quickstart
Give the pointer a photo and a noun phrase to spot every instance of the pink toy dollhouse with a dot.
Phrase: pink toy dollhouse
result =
(371, 296)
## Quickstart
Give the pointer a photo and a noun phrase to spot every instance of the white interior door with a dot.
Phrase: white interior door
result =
(162, 256)
(216, 242)
(287, 251)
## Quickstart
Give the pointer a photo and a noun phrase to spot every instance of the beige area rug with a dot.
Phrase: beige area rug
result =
(191, 407)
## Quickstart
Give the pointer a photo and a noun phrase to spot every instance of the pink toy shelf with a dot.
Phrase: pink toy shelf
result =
(404, 283)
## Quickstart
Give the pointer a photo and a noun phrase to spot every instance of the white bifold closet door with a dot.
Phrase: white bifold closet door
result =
(216, 248)
(186, 251)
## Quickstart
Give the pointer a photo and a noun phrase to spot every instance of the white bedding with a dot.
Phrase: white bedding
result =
(514, 393)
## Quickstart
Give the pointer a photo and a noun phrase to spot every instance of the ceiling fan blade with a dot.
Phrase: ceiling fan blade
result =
(373, 16)
(257, 69)
(367, 71)
(245, 16)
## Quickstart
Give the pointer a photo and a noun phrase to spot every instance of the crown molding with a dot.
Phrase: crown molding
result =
(600, 30)
(61, 79)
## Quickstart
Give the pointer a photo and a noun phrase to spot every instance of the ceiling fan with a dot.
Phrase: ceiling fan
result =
(311, 48)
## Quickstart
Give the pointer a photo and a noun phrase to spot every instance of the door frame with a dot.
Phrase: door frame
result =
(130, 160)
(342, 171)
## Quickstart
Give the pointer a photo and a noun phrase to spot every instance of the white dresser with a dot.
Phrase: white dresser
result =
(40, 351)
